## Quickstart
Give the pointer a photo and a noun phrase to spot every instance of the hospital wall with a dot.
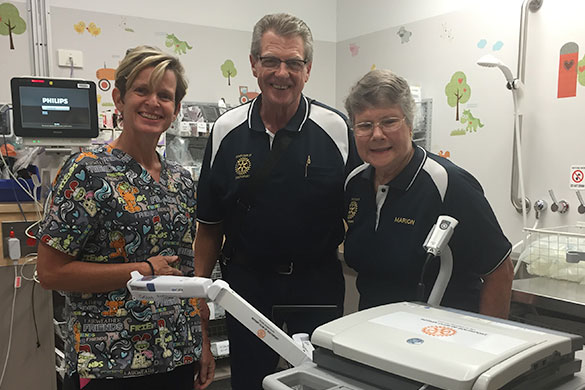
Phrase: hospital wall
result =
(427, 45)
(207, 34)
(426, 41)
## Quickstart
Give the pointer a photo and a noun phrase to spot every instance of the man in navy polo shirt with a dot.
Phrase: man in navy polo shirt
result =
(272, 184)
(393, 200)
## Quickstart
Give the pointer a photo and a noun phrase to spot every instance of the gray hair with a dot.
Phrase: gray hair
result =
(378, 88)
(285, 25)
(142, 57)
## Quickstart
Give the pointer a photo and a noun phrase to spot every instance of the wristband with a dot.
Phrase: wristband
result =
(150, 264)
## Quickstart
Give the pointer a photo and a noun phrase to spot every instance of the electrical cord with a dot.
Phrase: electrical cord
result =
(27, 230)
(18, 199)
(9, 171)
(33, 278)
(421, 282)
(16, 179)
(11, 326)
(18, 203)
(32, 193)
(36, 192)
(32, 305)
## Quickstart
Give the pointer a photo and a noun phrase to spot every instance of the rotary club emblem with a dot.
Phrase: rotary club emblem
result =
(243, 165)
(352, 210)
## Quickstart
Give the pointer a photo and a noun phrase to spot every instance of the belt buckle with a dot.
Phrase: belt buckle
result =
(289, 271)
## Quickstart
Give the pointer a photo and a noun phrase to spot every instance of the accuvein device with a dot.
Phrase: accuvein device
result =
(405, 346)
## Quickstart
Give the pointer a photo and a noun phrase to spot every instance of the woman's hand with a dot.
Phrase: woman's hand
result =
(162, 265)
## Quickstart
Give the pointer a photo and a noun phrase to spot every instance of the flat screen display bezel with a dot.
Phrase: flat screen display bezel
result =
(43, 133)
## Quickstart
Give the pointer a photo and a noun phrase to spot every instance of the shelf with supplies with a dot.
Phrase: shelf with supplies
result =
(188, 135)
(421, 128)
(194, 129)
(187, 151)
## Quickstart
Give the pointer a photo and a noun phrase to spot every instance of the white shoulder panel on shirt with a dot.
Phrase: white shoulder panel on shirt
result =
(225, 124)
(356, 171)
(439, 176)
(334, 126)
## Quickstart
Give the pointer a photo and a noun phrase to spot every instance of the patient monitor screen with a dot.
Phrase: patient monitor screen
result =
(54, 108)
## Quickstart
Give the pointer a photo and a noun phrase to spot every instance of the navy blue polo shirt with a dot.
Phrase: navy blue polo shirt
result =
(386, 231)
(297, 212)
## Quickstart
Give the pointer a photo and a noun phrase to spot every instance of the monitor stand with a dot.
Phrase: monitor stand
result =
(49, 164)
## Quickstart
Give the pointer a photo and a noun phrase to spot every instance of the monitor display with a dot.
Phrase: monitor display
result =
(54, 111)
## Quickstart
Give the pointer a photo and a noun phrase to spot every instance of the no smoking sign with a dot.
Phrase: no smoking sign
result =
(577, 181)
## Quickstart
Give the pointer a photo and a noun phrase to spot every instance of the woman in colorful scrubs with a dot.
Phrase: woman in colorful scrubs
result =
(121, 208)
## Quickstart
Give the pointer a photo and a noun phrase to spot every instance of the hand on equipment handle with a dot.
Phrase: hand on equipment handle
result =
(163, 265)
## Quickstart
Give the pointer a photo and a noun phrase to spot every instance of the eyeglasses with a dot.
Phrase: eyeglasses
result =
(292, 64)
(387, 125)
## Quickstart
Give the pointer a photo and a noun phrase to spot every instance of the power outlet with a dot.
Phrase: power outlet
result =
(19, 227)
(66, 57)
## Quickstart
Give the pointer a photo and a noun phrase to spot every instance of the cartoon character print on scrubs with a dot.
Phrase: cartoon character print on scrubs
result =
(142, 355)
(164, 338)
(118, 243)
(108, 209)
(128, 192)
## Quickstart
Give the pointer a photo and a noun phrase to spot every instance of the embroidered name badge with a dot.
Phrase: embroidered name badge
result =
(406, 221)
(242, 166)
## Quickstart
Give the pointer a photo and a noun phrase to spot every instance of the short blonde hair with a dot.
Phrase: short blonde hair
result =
(142, 57)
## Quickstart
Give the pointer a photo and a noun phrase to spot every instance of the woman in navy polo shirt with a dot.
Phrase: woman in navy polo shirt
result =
(395, 197)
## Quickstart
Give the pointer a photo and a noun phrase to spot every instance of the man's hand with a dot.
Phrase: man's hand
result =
(206, 367)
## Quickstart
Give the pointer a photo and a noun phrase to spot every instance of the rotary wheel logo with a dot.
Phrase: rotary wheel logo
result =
(261, 333)
(352, 210)
(439, 331)
(243, 165)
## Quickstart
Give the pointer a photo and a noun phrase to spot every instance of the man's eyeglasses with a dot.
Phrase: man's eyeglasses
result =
(387, 125)
(294, 65)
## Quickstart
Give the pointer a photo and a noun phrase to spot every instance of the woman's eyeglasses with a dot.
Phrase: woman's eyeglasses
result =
(387, 125)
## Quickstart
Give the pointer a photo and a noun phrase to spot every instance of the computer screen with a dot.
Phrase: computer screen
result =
(56, 112)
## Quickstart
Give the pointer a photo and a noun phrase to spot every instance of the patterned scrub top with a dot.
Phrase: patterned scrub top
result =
(107, 209)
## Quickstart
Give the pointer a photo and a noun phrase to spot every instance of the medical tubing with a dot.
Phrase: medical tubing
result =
(421, 284)
(519, 157)
(520, 170)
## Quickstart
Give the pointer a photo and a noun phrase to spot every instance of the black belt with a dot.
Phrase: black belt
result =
(279, 267)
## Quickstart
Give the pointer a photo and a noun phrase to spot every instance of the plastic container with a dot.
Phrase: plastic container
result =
(10, 191)
(546, 252)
